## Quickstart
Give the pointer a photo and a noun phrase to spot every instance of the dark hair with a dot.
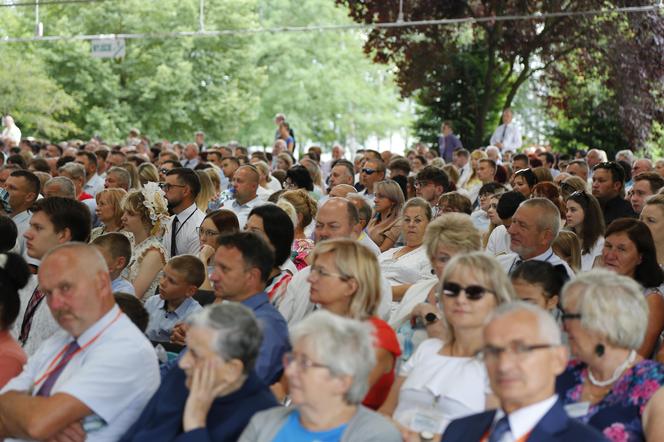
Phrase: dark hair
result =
(8, 234)
(655, 180)
(347, 164)
(492, 188)
(66, 213)
(550, 159)
(501, 174)
(188, 177)
(616, 170)
(520, 157)
(64, 160)
(224, 220)
(627, 168)
(435, 175)
(528, 175)
(593, 219)
(173, 162)
(462, 153)
(300, 176)
(18, 160)
(260, 155)
(648, 273)
(508, 203)
(190, 267)
(14, 275)
(34, 185)
(551, 278)
(133, 307)
(278, 229)
(256, 252)
(117, 244)
(422, 159)
(401, 164)
(91, 157)
(40, 165)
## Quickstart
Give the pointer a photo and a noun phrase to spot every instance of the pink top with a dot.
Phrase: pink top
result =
(12, 358)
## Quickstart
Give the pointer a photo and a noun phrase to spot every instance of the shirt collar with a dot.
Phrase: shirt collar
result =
(546, 256)
(255, 301)
(249, 203)
(180, 311)
(21, 216)
(98, 326)
(523, 420)
(186, 212)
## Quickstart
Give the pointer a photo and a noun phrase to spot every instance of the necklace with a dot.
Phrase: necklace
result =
(616, 373)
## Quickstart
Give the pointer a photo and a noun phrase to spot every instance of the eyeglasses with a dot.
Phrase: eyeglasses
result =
(492, 353)
(164, 171)
(167, 186)
(320, 272)
(302, 360)
(570, 316)
(206, 232)
(473, 292)
(369, 171)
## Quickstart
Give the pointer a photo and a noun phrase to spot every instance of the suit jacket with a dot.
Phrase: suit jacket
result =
(556, 425)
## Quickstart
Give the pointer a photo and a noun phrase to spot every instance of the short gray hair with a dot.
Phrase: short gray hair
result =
(343, 345)
(123, 175)
(548, 328)
(548, 214)
(237, 332)
(74, 170)
(66, 187)
(611, 305)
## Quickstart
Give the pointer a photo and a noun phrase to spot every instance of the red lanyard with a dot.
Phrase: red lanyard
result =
(64, 362)
(523, 438)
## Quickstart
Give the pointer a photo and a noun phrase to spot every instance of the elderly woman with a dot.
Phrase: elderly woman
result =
(345, 279)
(404, 266)
(611, 387)
(328, 373)
(444, 380)
(214, 392)
(629, 250)
(108, 211)
(385, 226)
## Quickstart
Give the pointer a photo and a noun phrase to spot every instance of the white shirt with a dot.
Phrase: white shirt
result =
(588, 259)
(274, 185)
(510, 136)
(523, 420)
(415, 295)
(114, 376)
(242, 210)
(499, 241)
(187, 240)
(369, 243)
(94, 185)
(369, 198)
(22, 221)
(263, 193)
(407, 269)
(464, 174)
(13, 133)
(509, 261)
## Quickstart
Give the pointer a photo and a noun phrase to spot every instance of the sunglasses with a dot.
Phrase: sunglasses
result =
(369, 171)
(473, 292)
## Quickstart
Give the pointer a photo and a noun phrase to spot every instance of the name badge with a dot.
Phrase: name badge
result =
(429, 420)
(578, 409)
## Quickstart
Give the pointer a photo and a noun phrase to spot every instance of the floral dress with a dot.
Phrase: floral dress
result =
(618, 414)
(131, 271)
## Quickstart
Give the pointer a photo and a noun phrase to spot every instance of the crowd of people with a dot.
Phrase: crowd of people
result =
(168, 291)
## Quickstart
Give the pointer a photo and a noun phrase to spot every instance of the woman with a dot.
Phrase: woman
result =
(109, 211)
(404, 266)
(385, 226)
(148, 173)
(305, 208)
(453, 202)
(145, 213)
(417, 163)
(585, 218)
(316, 174)
(285, 134)
(494, 219)
(345, 280)
(445, 237)
(524, 181)
(218, 222)
(276, 226)
(652, 216)
(284, 161)
(629, 250)
(540, 283)
(568, 248)
(445, 377)
(207, 192)
(473, 184)
(328, 371)
(551, 192)
(14, 275)
(298, 177)
(612, 386)
(572, 184)
(499, 240)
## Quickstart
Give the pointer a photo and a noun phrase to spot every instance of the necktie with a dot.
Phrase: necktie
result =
(174, 235)
(501, 428)
(45, 389)
(30, 311)
(502, 137)
(515, 264)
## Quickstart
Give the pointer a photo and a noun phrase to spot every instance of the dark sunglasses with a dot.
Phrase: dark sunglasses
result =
(369, 171)
(473, 292)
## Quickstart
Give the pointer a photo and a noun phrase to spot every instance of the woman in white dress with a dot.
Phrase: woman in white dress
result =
(444, 380)
(145, 212)
(584, 217)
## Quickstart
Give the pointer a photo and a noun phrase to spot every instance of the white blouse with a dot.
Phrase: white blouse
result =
(406, 269)
(587, 259)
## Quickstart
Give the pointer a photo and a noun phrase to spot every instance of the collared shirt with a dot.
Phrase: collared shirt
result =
(190, 164)
(509, 135)
(368, 197)
(275, 343)
(121, 285)
(22, 221)
(94, 185)
(114, 374)
(13, 133)
(464, 174)
(162, 321)
(263, 193)
(523, 420)
(242, 210)
(509, 261)
(187, 239)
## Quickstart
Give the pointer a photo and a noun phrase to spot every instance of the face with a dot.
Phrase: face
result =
(574, 215)
(526, 238)
(132, 222)
(332, 222)
(175, 191)
(308, 380)
(105, 211)
(416, 164)
(492, 212)
(201, 352)
(428, 190)
(208, 233)
(603, 185)
(382, 203)
(640, 166)
(653, 216)
(576, 170)
(245, 185)
(42, 237)
(485, 200)
(659, 167)
(521, 379)
(215, 158)
(507, 116)
(328, 288)
(533, 293)
(230, 276)
(593, 159)
(52, 151)
(413, 226)
(229, 168)
(4, 175)
(459, 161)
(370, 174)
(339, 175)
(581, 341)
(461, 312)
(111, 181)
(17, 187)
(519, 165)
(255, 224)
(115, 160)
(173, 284)
(521, 185)
(620, 254)
(337, 152)
(640, 192)
(85, 162)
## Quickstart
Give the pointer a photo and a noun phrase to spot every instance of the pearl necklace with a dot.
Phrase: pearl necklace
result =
(616, 373)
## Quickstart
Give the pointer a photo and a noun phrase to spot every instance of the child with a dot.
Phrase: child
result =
(182, 276)
(116, 250)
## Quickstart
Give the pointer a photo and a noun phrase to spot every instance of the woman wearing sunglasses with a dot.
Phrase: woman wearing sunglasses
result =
(443, 380)
(584, 217)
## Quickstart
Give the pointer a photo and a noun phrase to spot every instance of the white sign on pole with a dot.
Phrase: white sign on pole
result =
(108, 48)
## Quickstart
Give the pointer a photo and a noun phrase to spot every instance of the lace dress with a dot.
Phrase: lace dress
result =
(131, 271)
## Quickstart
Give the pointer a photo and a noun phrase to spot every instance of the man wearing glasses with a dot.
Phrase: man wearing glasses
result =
(182, 187)
(523, 356)
(372, 171)
(430, 183)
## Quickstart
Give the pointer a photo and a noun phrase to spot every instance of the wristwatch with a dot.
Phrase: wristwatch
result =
(431, 318)
(426, 436)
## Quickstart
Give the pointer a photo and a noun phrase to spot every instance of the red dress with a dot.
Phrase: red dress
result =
(386, 338)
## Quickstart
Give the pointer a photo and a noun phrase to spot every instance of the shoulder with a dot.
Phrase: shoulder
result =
(367, 425)
(458, 429)
(385, 336)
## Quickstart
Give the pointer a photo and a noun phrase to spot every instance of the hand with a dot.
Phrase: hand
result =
(421, 310)
(205, 253)
(179, 334)
(72, 433)
(202, 393)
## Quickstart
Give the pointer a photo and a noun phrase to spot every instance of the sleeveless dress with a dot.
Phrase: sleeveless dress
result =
(132, 270)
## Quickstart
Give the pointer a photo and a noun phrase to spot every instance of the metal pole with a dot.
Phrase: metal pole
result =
(201, 16)
(37, 33)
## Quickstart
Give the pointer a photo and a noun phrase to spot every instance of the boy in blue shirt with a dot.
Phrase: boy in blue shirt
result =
(116, 250)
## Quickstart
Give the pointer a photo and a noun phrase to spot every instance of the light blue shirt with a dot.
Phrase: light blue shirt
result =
(120, 284)
(162, 321)
(293, 431)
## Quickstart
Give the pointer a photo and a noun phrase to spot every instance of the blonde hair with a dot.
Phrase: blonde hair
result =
(114, 198)
(392, 191)
(133, 202)
(290, 210)
(207, 190)
(656, 200)
(147, 172)
(304, 204)
(353, 260)
(451, 172)
(133, 173)
(568, 247)
(314, 171)
(452, 229)
(213, 173)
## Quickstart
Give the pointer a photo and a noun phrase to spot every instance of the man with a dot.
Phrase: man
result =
(76, 173)
(214, 157)
(594, 157)
(182, 186)
(523, 355)
(625, 155)
(448, 143)
(608, 187)
(242, 265)
(372, 171)
(645, 185)
(399, 168)
(245, 185)
(578, 168)
(94, 183)
(11, 134)
(116, 158)
(507, 136)
(337, 218)
(60, 186)
(102, 166)
(190, 156)
(640, 166)
(118, 178)
(23, 188)
(339, 191)
(199, 138)
(106, 369)
(486, 172)
(534, 226)
(493, 153)
(430, 183)
(229, 166)
(54, 221)
(462, 163)
(364, 213)
(342, 172)
(548, 160)
(337, 154)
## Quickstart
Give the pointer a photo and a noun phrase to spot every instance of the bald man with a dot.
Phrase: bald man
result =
(244, 188)
(93, 377)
